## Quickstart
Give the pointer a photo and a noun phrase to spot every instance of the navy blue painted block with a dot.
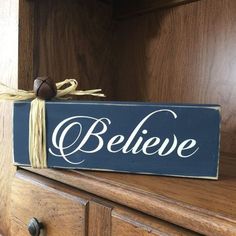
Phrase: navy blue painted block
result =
(162, 139)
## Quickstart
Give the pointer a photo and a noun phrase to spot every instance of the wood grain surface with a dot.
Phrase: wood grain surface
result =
(66, 39)
(99, 222)
(204, 206)
(184, 54)
(52, 202)
(128, 223)
(8, 75)
(61, 211)
(27, 47)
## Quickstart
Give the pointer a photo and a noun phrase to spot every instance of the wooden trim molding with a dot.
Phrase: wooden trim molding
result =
(124, 8)
(99, 219)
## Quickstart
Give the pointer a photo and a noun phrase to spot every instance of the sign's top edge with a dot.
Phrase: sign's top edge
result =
(125, 103)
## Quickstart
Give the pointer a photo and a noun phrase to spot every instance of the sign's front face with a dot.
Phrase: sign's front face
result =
(177, 140)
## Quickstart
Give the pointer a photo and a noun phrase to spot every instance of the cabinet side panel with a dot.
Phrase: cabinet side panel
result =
(8, 71)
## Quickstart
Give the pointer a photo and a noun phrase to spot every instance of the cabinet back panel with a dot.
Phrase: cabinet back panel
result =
(179, 54)
(69, 39)
(184, 54)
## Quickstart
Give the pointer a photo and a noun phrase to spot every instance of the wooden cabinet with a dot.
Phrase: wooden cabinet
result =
(63, 212)
(188, 203)
(159, 51)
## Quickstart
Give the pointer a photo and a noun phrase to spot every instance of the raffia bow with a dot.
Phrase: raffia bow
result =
(37, 123)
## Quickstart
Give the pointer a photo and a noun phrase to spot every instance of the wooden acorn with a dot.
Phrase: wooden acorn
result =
(45, 88)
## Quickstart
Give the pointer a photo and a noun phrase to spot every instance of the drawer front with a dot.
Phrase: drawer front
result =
(60, 210)
(126, 222)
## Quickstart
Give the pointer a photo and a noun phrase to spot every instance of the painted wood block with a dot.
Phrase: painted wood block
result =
(146, 138)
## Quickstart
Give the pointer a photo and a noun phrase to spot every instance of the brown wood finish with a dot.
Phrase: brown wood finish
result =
(204, 206)
(127, 223)
(102, 215)
(27, 47)
(61, 212)
(184, 54)
(61, 48)
(124, 8)
(8, 75)
(99, 219)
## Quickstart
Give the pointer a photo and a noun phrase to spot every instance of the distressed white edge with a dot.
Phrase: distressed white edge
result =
(13, 143)
(134, 104)
(219, 145)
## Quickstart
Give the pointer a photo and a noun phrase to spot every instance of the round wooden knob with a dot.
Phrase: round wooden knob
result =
(34, 227)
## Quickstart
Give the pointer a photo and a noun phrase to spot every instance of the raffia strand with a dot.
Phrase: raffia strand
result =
(37, 134)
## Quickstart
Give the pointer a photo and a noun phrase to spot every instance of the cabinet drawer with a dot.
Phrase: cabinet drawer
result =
(61, 210)
(126, 222)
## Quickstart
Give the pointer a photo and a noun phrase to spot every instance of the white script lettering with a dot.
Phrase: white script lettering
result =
(92, 140)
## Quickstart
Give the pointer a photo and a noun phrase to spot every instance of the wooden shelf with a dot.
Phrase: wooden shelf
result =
(204, 206)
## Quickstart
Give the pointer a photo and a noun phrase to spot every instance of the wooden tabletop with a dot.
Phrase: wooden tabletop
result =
(204, 206)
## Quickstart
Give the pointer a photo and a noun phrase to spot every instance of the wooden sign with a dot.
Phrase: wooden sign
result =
(145, 138)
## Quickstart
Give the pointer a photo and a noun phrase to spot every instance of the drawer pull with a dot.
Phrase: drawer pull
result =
(34, 227)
